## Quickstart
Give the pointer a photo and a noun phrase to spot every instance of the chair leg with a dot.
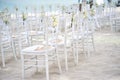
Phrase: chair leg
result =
(66, 58)
(77, 52)
(93, 44)
(14, 51)
(30, 41)
(36, 64)
(86, 44)
(23, 70)
(74, 52)
(47, 67)
(88, 51)
(14, 46)
(82, 42)
(3, 57)
(58, 61)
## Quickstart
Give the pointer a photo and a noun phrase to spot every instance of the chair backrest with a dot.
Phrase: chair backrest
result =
(117, 24)
(23, 35)
(5, 36)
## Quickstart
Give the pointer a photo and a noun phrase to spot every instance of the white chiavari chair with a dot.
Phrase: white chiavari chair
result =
(35, 29)
(60, 38)
(77, 36)
(6, 42)
(82, 35)
(88, 30)
(39, 51)
(65, 29)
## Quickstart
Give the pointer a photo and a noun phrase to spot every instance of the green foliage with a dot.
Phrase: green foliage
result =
(103, 5)
(5, 19)
(92, 12)
(55, 21)
(96, 4)
(16, 8)
(23, 16)
(6, 22)
(63, 8)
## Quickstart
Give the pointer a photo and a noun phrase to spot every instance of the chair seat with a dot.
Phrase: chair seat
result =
(4, 39)
(77, 37)
(37, 50)
(59, 41)
(15, 36)
(88, 32)
(33, 33)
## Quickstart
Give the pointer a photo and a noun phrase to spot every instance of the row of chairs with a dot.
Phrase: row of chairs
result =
(56, 35)
(60, 40)
(30, 32)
